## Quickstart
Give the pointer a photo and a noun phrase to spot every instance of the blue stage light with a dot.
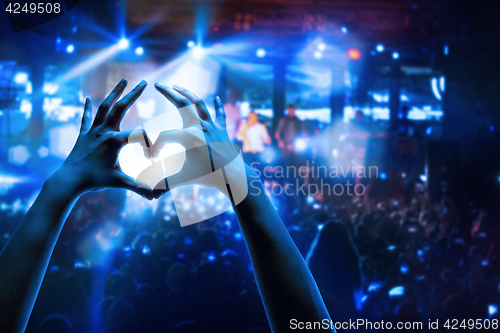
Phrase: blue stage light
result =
(139, 51)
(492, 309)
(123, 44)
(395, 55)
(397, 291)
(70, 48)
(318, 54)
(191, 44)
(261, 53)
(380, 48)
(344, 29)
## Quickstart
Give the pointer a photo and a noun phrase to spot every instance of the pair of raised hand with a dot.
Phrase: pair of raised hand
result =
(93, 162)
(286, 285)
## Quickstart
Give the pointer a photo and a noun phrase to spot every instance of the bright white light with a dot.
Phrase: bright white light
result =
(261, 53)
(318, 54)
(404, 98)
(198, 52)
(310, 199)
(29, 88)
(139, 51)
(123, 44)
(380, 98)
(26, 108)
(344, 30)
(442, 83)
(70, 48)
(380, 48)
(62, 139)
(21, 78)
(146, 108)
(191, 44)
(300, 144)
(320, 226)
(4, 179)
(395, 55)
(335, 153)
(50, 88)
(321, 46)
(423, 178)
(435, 89)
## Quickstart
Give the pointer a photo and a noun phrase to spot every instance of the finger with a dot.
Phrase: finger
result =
(158, 193)
(201, 107)
(87, 116)
(123, 180)
(187, 110)
(166, 137)
(173, 96)
(220, 114)
(136, 136)
(116, 115)
(108, 102)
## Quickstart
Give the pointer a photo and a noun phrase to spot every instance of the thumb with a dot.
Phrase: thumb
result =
(123, 180)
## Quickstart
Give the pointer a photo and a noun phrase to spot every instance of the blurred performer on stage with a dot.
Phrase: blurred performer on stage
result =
(289, 129)
(254, 136)
(406, 149)
(233, 114)
(357, 137)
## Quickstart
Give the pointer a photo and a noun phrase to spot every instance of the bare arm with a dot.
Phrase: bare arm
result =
(91, 165)
(285, 283)
(267, 138)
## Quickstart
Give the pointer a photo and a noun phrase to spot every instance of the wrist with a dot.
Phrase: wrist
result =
(67, 182)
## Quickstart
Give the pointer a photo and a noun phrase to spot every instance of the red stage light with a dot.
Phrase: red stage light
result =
(354, 54)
